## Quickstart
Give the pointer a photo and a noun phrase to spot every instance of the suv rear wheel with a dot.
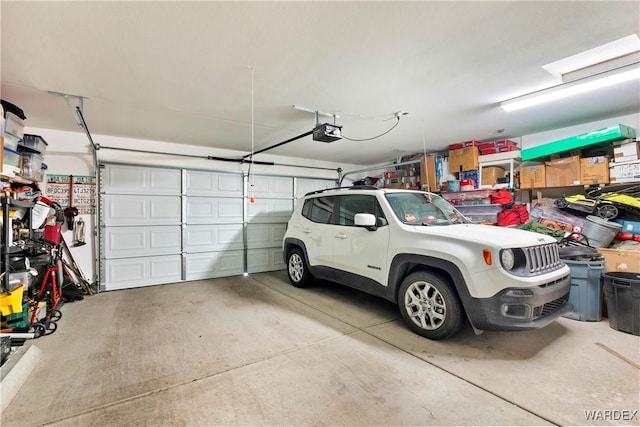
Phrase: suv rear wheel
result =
(297, 269)
(429, 306)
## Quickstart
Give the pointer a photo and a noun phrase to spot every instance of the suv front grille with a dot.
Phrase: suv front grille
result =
(543, 257)
(550, 307)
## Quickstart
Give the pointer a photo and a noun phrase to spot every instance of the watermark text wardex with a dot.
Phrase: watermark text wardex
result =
(610, 415)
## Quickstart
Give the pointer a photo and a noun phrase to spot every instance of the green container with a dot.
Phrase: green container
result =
(608, 134)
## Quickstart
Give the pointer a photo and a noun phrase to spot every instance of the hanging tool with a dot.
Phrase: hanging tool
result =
(75, 268)
(71, 212)
(78, 233)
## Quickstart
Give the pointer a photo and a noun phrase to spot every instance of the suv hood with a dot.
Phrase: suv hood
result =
(487, 234)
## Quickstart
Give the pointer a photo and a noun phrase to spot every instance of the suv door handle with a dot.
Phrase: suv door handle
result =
(341, 236)
(306, 230)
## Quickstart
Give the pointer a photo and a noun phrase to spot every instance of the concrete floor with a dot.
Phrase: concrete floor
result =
(257, 351)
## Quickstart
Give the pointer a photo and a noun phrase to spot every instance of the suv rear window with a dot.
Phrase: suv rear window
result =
(319, 209)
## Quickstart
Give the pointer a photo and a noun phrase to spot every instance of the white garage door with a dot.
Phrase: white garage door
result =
(163, 225)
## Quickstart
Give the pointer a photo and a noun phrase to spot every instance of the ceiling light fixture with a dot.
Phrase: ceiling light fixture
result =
(587, 84)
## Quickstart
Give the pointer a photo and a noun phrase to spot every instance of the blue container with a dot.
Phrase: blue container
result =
(453, 185)
(586, 290)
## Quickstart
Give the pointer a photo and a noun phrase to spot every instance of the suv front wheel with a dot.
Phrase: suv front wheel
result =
(297, 270)
(429, 306)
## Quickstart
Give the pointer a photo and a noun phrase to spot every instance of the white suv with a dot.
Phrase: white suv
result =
(415, 249)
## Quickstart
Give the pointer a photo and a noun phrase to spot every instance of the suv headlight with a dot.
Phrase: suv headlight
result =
(507, 259)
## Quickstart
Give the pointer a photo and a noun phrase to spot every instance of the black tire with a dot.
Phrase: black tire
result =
(51, 328)
(430, 306)
(37, 329)
(561, 203)
(607, 211)
(297, 269)
(55, 315)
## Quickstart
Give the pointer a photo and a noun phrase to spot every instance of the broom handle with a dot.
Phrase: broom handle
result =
(70, 190)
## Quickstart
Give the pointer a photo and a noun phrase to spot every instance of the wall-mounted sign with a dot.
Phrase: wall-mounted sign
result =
(84, 192)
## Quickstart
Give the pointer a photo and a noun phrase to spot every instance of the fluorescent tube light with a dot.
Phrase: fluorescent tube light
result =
(598, 81)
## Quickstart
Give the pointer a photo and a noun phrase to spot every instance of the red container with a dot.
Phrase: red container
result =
(505, 143)
(491, 150)
(507, 148)
(456, 146)
(52, 233)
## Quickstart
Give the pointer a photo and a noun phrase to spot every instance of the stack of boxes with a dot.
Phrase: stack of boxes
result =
(22, 154)
(464, 160)
(566, 167)
(625, 166)
(12, 127)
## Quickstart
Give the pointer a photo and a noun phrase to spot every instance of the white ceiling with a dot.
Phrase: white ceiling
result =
(179, 71)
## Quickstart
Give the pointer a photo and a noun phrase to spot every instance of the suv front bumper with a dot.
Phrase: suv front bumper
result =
(515, 309)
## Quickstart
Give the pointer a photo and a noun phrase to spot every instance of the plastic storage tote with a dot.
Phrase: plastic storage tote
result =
(586, 290)
(623, 301)
(35, 142)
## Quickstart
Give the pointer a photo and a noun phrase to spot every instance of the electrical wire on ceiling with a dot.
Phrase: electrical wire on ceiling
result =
(397, 116)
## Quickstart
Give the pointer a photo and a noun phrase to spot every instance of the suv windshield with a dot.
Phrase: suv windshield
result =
(424, 209)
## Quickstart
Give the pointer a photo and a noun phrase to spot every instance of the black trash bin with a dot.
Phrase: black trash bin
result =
(623, 301)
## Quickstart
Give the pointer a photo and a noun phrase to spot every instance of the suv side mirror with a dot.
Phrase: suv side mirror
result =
(365, 220)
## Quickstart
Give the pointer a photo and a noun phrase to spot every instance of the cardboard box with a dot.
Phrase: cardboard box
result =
(533, 175)
(463, 159)
(563, 172)
(431, 172)
(624, 172)
(490, 174)
(594, 170)
(626, 152)
(621, 260)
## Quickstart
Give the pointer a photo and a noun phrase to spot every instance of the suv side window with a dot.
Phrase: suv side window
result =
(359, 203)
(319, 209)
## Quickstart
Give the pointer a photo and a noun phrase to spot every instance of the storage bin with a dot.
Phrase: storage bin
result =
(32, 166)
(11, 301)
(600, 232)
(623, 301)
(20, 278)
(14, 125)
(586, 290)
(52, 233)
(34, 142)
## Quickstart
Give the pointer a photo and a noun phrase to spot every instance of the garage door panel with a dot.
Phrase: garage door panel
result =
(307, 185)
(122, 210)
(123, 179)
(265, 235)
(205, 210)
(214, 264)
(121, 242)
(268, 259)
(213, 237)
(270, 210)
(142, 271)
(201, 183)
(272, 186)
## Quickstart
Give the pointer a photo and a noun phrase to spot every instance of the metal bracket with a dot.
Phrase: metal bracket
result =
(67, 98)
